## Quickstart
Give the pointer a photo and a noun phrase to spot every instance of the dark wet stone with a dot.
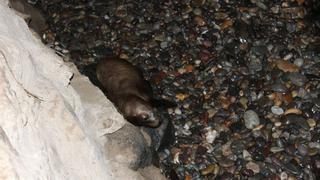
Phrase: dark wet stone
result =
(279, 87)
(102, 51)
(221, 73)
(291, 27)
(260, 142)
(237, 127)
(297, 120)
(276, 74)
(225, 162)
(303, 149)
(240, 163)
(316, 166)
(312, 76)
(222, 113)
(237, 147)
(173, 175)
(306, 107)
(226, 176)
(247, 172)
(313, 151)
(317, 102)
(281, 142)
(259, 50)
(224, 137)
(269, 169)
(292, 168)
(297, 79)
(265, 102)
(257, 176)
(255, 64)
(293, 12)
(233, 90)
(258, 156)
(201, 150)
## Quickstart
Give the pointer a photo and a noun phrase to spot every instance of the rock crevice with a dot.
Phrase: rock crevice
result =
(54, 123)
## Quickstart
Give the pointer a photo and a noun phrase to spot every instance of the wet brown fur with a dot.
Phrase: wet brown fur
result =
(128, 90)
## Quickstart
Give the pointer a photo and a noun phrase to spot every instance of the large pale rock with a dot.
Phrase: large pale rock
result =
(54, 124)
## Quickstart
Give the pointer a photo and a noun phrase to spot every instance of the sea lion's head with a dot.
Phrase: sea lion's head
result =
(140, 112)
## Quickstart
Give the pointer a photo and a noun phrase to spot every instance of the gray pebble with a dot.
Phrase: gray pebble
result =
(225, 162)
(276, 149)
(298, 62)
(164, 45)
(177, 111)
(277, 110)
(297, 79)
(303, 149)
(255, 64)
(279, 87)
(291, 168)
(297, 120)
(251, 119)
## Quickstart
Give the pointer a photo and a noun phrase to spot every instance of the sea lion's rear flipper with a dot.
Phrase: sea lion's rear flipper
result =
(162, 103)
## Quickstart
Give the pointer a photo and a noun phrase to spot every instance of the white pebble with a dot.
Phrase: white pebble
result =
(246, 155)
(277, 124)
(186, 106)
(186, 126)
(176, 158)
(253, 166)
(276, 134)
(211, 135)
(288, 56)
(283, 176)
(177, 111)
(170, 111)
(181, 70)
(251, 119)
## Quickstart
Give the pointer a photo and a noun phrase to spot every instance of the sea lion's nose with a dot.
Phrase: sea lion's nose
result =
(153, 121)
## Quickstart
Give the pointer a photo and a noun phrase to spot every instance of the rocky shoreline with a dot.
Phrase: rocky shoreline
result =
(245, 76)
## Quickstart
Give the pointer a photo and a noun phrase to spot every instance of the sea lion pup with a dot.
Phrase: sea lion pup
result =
(125, 86)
